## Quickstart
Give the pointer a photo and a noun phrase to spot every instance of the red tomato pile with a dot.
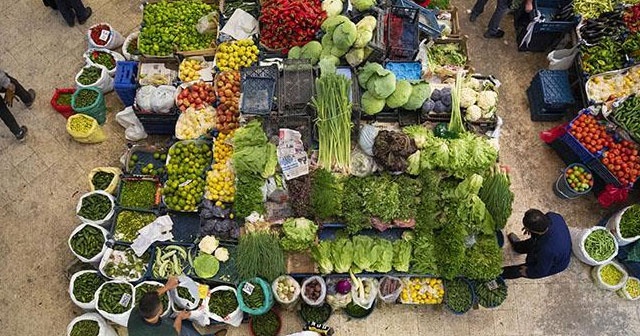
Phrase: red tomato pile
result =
(96, 31)
(198, 96)
(592, 135)
(228, 111)
(623, 161)
(632, 18)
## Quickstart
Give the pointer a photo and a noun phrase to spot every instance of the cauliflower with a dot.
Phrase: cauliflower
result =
(474, 113)
(487, 100)
(208, 244)
(472, 83)
(468, 97)
(222, 254)
(489, 114)
(332, 7)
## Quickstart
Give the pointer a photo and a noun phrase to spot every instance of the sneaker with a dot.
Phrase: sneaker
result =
(32, 94)
(496, 35)
(473, 17)
(22, 134)
(88, 13)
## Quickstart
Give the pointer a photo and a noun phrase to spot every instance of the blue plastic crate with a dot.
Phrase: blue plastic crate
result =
(549, 25)
(125, 82)
(598, 168)
(539, 113)
(552, 89)
(186, 226)
(405, 70)
(583, 155)
(257, 95)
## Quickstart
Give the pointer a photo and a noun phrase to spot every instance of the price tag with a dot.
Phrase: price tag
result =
(492, 285)
(124, 300)
(104, 35)
(248, 288)
(185, 183)
(203, 290)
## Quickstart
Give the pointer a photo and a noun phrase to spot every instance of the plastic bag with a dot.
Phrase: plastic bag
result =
(613, 225)
(162, 99)
(622, 292)
(208, 23)
(125, 46)
(367, 138)
(552, 134)
(291, 283)
(180, 303)
(393, 296)
(323, 291)
(103, 328)
(104, 221)
(578, 236)
(335, 299)
(114, 181)
(612, 195)
(367, 301)
(104, 82)
(167, 312)
(361, 163)
(234, 319)
(562, 59)
(597, 278)
(123, 318)
(134, 131)
(91, 305)
(117, 255)
(247, 288)
(112, 37)
(94, 134)
(96, 258)
(117, 57)
(143, 98)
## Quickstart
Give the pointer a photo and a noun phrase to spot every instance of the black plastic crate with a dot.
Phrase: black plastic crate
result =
(257, 95)
(584, 156)
(377, 44)
(599, 169)
(227, 274)
(144, 154)
(300, 123)
(270, 71)
(564, 151)
(552, 90)
(186, 226)
(139, 178)
(186, 267)
(540, 42)
(539, 113)
(402, 33)
(297, 86)
(158, 124)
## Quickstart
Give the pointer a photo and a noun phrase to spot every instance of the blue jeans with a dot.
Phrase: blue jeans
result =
(188, 329)
(502, 8)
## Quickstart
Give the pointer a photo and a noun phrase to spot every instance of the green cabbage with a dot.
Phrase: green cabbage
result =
(206, 265)
(344, 35)
(363, 5)
(382, 86)
(370, 104)
(294, 53)
(311, 51)
(331, 23)
(400, 95)
(419, 95)
(299, 234)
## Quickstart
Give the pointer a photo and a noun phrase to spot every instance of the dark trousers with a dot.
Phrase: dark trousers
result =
(522, 247)
(5, 114)
(71, 10)
(502, 8)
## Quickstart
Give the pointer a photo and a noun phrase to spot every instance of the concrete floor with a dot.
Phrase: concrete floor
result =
(42, 178)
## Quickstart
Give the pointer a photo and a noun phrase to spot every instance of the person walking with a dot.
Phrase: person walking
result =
(502, 8)
(548, 249)
(10, 87)
(72, 10)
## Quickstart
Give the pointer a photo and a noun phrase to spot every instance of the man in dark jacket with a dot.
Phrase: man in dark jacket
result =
(548, 249)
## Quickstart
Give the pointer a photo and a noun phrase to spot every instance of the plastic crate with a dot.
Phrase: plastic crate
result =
(552, 90)
(270, 71)
(302, 124)
(186, 267)
(297, 86)
(257, 95)
(405, 70)
(125, 82)
(160, 124)
(540, 41)
(145, 156)
(427, 18)
(539, 113)
(227, 274)
(402, 33)
(378, 42)
(573, 145)
(599, 169)
(186, 226)
(139, 179)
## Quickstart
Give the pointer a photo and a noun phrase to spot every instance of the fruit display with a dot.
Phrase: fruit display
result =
(422, 291)
(193, 123)
(147, 163)
(197, 95)
(185, 184)
(221, 178)
(228, 91)
(590, 133)
(189, 69)
(237, 54)
(579, 178)
(623, 161)
(170, 26)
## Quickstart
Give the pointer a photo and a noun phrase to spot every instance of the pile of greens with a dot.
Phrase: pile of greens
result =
(86, 285)
(260, 255)
(129, 222)
(266, 325)
(101, 180)
(85, 328)
(223, 303)
(600, 245)
(299, 234)
(95, 207)
(491, 294)
(458, 295)
(255, 300)
(87, 242)
(138, 194)
(326, 194)
(497, 197)
(630, 222)
(299, 190)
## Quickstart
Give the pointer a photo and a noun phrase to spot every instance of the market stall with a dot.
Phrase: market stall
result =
(320, 157)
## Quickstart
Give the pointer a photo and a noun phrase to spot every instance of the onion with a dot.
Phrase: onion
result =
(343, 286)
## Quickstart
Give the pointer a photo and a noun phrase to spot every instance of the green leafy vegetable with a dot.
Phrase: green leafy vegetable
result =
(342, 255)
(206, 265)
(630, 222)
(322, 255)
(458, 295)
(299, 234)
(484, 259)
(497, 197)
(401, 255)
(401, 94)
(384, 249)
(364, 255)
(259, 255)
(326, 194)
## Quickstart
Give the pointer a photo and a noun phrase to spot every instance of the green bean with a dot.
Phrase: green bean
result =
(85, 98)
(630, 222)
(600, 245)
(458, 296)
(266, 325)
(85, 328)
(256, 299)
(223, 303)
(184, 293)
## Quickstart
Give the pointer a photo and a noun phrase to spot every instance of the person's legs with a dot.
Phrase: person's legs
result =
(10, 121)
(82, 12)
(66, 11)
(511, 272)
(188, 329)
(478, 8)
(502, 7)
(26, 96)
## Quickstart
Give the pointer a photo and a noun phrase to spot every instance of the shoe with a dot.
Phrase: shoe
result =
(71, 24)
(22, 134)
(496, 35)
(513, 238)
(473, 18)
(88, 12)
(32, 94)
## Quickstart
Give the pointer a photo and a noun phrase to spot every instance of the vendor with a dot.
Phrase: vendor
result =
(145, 319)
(548, 249)
(502, 8)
